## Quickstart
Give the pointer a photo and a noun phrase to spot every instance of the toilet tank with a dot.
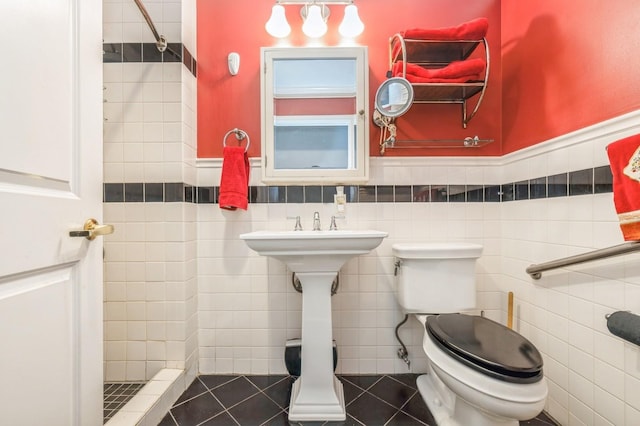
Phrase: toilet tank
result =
(436, 278)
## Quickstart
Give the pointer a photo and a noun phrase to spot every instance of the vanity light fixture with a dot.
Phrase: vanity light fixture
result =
(315, 15)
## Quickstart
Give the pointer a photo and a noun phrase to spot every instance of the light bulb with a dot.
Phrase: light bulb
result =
(314, 26)
(277, 24)
(351, 25)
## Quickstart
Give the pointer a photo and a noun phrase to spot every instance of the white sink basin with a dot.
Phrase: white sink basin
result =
(315, 257)
(314, 251)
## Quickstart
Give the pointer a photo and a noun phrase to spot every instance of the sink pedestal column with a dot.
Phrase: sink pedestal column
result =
(317, 394)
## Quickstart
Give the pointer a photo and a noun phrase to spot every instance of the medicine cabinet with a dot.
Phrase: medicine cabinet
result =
(314, 115)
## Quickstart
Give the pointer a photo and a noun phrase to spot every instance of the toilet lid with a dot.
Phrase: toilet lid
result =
(487, 346)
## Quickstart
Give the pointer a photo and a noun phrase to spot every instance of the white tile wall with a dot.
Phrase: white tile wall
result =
(150, 267)
(248, 309)
(123, 22)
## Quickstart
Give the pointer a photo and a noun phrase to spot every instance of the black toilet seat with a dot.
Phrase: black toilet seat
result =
(486, 346)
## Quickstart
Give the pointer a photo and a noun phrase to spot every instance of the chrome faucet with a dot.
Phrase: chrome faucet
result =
(316, 221)
(333, 226)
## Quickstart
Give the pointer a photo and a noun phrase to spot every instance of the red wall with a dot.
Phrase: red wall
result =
(226, 102)
(567, 65)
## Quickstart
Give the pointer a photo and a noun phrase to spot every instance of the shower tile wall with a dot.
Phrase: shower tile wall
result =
(248, 308)
(150, 288)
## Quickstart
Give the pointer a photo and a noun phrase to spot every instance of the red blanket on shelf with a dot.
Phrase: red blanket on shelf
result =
(475, 29)
(455, 72)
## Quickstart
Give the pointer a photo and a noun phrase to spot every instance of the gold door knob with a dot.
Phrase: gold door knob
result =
(92, 229)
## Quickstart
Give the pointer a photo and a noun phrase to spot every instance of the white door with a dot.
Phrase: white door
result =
(50, 182)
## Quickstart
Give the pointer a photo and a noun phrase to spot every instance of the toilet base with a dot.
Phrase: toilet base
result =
(449, 410)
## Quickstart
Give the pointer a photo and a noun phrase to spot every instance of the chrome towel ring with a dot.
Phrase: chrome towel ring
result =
(240, 135)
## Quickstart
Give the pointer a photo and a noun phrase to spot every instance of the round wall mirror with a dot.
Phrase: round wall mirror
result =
(394, 97)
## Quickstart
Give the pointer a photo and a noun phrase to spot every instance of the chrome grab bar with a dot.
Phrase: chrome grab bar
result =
(536, 270)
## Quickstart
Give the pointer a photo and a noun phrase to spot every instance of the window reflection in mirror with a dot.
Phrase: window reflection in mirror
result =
(314, 103)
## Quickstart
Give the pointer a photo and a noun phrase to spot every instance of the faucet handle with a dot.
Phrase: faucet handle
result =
(298, 225)
(333, 226)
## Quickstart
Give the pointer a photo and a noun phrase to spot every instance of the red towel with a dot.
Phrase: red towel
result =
(475, 29)
(455, 72)
(624, 158)
(234, 181)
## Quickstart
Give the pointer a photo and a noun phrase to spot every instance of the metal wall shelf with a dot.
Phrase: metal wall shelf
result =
(437, 54)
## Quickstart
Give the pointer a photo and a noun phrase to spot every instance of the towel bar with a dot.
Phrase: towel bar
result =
(536, 270)
(240, 135)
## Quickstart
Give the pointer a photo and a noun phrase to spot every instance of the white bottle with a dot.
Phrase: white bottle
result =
(340, 201)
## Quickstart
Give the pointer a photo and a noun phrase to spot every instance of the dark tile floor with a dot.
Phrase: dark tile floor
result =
(264, 400)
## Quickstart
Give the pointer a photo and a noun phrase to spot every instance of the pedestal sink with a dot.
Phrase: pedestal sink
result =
(315, 257)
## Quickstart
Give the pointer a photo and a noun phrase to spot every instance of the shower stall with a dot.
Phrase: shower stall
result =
(150, 284)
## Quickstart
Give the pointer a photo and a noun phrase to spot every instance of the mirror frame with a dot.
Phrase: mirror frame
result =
(356, 175)
(382, 97)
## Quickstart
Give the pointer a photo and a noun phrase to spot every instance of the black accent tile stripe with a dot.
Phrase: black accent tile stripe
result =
(131, 52)
(112, 52)
(457, 194)
(538, 188)
(153, 192)
(580, 182)
(602, 180)
(113, 193)
(522, 190)
(176, 192)
(402, 194)
(313, 194)
(557, 185)
(508, 192)
(439, 193)
(148, 52)
(133, 192)
(295, 194)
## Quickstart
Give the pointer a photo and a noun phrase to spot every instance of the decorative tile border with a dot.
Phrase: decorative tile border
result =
(581, 182)
(148, 52)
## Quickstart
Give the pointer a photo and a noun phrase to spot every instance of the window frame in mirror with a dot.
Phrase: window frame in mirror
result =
(360, 124)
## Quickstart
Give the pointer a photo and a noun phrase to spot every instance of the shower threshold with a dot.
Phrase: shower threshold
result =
(116, 396)
(147, 403)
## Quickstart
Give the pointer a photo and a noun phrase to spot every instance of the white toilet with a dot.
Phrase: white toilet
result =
(481, 373)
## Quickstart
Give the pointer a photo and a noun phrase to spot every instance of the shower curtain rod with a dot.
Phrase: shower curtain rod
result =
(161, 42)
(630, 246)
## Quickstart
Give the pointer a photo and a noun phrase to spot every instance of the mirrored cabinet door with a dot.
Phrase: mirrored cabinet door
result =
(314, 107)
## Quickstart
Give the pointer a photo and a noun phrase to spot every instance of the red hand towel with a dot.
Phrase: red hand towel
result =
(624, 158)
(455, 72)
(234, 181)
(475, 29)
